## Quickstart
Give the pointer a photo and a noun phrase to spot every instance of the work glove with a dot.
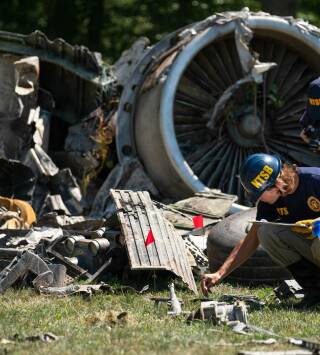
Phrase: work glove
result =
(303, 227)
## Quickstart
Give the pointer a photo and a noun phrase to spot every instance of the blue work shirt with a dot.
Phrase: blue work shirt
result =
(303, 204)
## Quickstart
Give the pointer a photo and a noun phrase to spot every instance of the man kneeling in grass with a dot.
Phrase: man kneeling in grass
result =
(287, 194)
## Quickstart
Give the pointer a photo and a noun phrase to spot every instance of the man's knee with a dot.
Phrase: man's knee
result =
(266, 235)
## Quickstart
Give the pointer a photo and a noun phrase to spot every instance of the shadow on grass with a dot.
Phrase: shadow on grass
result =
(289, 305)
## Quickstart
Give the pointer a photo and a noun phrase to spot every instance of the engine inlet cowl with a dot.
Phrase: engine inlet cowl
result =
(192, 112)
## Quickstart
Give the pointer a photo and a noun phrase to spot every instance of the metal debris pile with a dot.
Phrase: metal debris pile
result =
(57, 111)
(51, 254)
(65, 212)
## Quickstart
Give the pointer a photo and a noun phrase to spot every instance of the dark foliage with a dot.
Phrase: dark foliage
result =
(111, 26)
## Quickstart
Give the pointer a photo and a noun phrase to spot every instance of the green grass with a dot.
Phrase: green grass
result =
(89, 327)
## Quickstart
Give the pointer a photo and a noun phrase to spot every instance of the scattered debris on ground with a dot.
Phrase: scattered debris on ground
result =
(58, 250)
(72, 217)
(45, 337)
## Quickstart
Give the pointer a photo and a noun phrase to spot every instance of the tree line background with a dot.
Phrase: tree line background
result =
(111, 26)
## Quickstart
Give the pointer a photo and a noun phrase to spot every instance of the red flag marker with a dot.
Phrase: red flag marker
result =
(198, 221)
(150, 238)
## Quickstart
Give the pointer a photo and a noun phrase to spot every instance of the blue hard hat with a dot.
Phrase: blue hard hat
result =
(259, 172)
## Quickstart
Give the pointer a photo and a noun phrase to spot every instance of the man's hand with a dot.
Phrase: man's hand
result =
(303, 227)
(208, 281)
(240, 253)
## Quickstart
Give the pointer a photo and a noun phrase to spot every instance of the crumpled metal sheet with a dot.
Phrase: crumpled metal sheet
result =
(20, 266)
(19, 84)
(18, 93)
(40, 119)
(39, 162)
(303, 26)
(137, 215)
(251, 66)
(126, 64)
(130, 174)
(10, 105)
(65, 184)
(33, 237)
(214, 204)
(27, 76)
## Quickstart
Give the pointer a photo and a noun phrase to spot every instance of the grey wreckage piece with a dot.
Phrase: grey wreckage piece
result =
(20, 266)
(138, 215)
(222, 313)
(173, 302)
(74, 289)
(288, 288)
